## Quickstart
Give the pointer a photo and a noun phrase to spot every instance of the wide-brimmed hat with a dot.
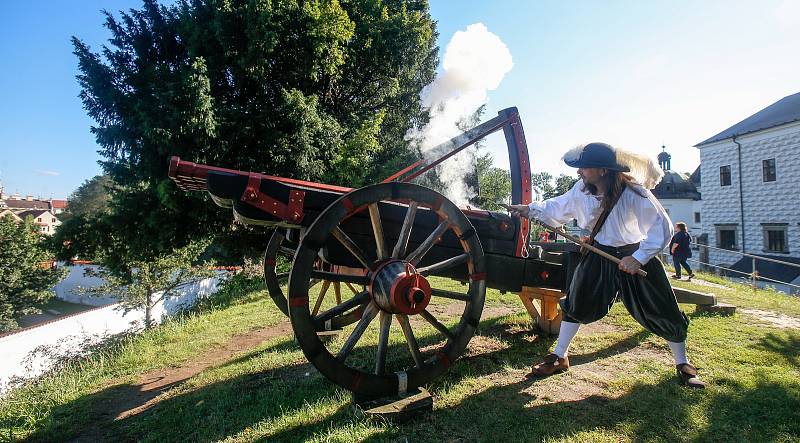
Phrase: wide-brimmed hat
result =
(643, 169)
(594, 155)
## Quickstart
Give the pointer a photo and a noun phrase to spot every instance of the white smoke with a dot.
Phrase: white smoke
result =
(475, 62)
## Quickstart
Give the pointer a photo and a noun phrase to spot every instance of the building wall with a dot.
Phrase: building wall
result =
(770, 202)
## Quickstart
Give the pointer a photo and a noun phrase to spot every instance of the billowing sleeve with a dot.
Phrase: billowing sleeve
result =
(655, 223)
(557, 210)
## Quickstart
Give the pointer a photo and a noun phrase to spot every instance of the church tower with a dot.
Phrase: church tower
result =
(664, 159)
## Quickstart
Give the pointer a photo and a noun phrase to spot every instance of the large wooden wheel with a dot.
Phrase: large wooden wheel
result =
(280, 246)
(396, 289)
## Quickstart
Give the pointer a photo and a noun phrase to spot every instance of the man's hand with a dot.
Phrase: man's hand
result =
(521, 210)
(629, 265)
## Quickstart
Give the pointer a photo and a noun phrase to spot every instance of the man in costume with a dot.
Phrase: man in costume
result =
(612, 199)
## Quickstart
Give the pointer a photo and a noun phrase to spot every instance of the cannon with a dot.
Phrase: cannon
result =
(382, 249)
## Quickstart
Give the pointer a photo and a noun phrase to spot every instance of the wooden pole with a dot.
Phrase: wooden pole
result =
(585, 245)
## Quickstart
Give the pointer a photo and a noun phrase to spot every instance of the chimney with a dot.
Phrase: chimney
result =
(29, 198)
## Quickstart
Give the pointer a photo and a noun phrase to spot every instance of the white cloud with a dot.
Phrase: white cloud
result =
(44, 172)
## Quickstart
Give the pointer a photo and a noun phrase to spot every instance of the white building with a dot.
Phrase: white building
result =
(46, 220)
(679, 195)
(751, 174)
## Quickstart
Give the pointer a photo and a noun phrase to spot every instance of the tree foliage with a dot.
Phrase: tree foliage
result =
(564, 183)
(494, 183)
(150, 281)
(316, 90)
(91, 198)
(25, 275)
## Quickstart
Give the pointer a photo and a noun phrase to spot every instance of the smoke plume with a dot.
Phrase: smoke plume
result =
(475, 62)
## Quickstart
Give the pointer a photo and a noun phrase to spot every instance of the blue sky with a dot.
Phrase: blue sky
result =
(634, 74)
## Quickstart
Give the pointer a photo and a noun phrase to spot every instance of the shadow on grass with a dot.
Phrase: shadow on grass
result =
(786, 345)
(285, 396)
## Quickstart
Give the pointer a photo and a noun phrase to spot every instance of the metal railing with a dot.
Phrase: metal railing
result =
(753, 277)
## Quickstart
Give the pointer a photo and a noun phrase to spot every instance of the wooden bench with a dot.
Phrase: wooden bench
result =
(547, 316)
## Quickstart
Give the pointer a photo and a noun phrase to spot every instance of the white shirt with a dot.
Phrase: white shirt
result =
(634, 219)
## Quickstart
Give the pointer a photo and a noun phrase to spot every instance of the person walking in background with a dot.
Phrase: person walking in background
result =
(680, 250)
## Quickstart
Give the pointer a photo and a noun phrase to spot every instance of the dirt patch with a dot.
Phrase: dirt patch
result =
(592, 378)
(135, 399)
(773, 318)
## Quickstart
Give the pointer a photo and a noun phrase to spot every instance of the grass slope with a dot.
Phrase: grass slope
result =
(621, 387)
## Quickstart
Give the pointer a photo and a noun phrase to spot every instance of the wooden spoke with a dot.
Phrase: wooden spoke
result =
(342, 307)
(383, 343)
(358, 331)
(413, 346)
(352, 288)
(322, 293)
(348, 243)
(343, 278)
(426, 245)
(288, 252)
(449, 263)
(377, 230)
(405, 231)
(435, 323)
(337, 290)
(449, 294)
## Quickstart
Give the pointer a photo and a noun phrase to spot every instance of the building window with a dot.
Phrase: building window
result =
(697, 217)
(726, 236)
(768, 168)
(725, 175)
(39, 219)
(775, 238)
(53, 220)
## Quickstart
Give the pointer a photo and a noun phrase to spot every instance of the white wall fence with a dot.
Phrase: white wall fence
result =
(30, 352)
(76, 277)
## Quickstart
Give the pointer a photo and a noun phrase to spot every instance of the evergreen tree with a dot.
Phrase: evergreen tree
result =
(316, 90)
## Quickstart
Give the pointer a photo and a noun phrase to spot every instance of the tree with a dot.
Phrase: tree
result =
(25, 276)
(564, 183)
(494, 183)
(147, 282)
(83, 231)
(542, 183)
(91, 198)
(314, 90)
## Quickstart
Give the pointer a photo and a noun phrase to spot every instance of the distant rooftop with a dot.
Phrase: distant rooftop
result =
(785, 110)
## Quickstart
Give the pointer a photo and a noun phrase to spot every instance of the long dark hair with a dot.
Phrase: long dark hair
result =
(615, 182)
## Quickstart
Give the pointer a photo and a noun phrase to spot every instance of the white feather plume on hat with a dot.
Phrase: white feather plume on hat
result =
(643, 169)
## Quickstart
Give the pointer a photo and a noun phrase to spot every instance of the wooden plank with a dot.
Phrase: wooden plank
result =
(694, 297)
(529, 306)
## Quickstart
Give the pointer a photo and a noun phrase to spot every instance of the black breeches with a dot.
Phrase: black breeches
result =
(650, 300)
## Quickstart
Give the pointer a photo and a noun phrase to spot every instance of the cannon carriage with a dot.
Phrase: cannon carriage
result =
(378, 253)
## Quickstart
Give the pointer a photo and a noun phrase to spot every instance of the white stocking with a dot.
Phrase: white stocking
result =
(679, 352)
(565, 335)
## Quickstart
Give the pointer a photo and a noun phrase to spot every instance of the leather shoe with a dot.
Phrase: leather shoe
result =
(688, 375)
(552, 364)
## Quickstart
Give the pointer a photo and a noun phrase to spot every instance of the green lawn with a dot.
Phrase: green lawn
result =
(621, 387)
